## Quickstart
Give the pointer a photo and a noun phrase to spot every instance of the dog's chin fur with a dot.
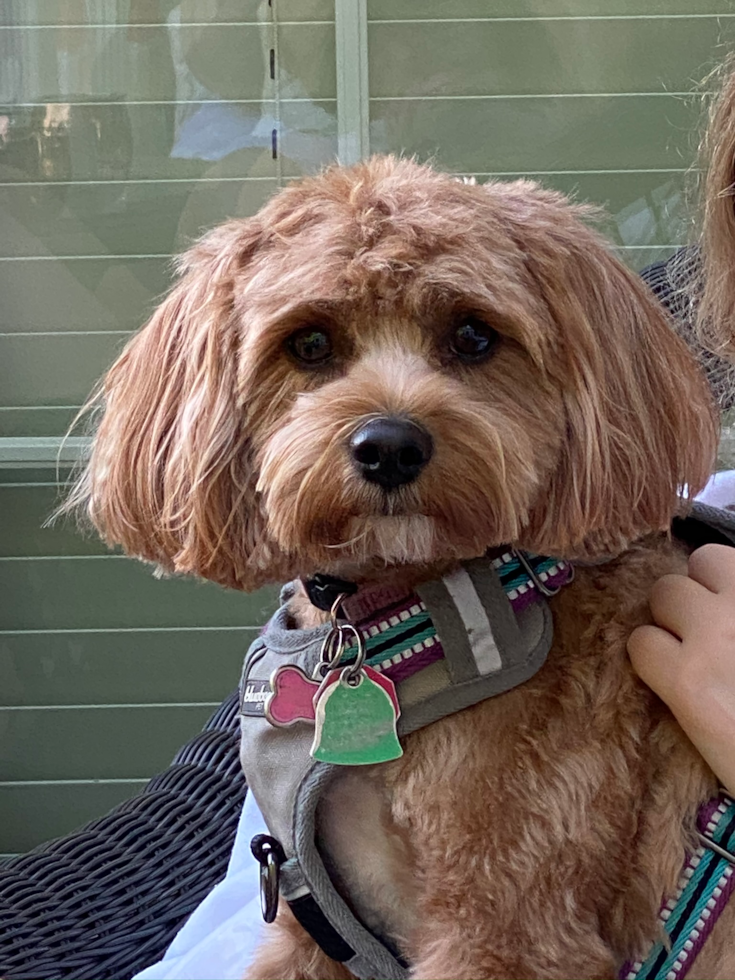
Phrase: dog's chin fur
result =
(537, 814)
(407, 540)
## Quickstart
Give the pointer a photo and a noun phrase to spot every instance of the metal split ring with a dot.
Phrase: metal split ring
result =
(334, 646)
(332, 649)
(351, 675)
(353, 669)
(334, 611)
(335, 642)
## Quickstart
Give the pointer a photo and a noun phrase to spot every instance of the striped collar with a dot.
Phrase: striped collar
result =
(705, 885)
(400, 635)
(477, 632)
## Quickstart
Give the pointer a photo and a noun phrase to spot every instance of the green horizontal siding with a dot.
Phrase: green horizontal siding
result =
(54, 12)
(104, 671)
(53, 453)
(116, 218)
(31, 477)
(89, 295)
(128, 742)
(113, 592)
(539, 133)
(452, 10)
(64, 365)
(107, 666)
(560, 57)
(592, 98)
(35, 812)
(36, 421)
(141, 135)
(22, 534)
(230, 61)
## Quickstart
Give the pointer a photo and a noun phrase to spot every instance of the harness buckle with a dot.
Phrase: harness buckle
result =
(270, 856)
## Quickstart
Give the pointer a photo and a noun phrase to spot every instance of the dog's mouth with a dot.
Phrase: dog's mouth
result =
(397, 541)
(397, 504)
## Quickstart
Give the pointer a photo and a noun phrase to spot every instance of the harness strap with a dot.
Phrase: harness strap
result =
(706, 883)
(311, 918)
(325, 915)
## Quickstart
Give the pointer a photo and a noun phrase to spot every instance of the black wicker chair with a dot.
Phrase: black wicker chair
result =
(106, 901)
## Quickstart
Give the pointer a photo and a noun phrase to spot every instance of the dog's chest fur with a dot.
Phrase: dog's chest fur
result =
(537, 831)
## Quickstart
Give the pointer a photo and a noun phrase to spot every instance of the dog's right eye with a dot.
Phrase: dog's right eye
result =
(310, 345)
(473, 340)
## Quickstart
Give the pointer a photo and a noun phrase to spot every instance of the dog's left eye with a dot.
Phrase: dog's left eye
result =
(311, 345)
(472, 339)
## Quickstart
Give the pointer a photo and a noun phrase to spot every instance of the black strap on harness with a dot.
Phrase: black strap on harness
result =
(316, 924)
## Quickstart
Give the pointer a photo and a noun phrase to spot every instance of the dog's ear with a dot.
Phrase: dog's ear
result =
(638, 418)
(168, 478)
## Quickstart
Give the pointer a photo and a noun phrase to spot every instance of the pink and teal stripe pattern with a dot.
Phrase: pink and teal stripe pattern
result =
(706, 883)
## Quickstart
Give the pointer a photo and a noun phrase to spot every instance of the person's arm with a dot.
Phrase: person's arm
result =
(688, 658)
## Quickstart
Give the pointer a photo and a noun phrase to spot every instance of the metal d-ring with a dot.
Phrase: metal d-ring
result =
(529, 570)
(269, 854)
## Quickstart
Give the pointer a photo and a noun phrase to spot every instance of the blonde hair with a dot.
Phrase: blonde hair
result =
(713, 291)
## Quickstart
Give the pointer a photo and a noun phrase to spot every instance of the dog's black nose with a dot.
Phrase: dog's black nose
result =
(391, 451)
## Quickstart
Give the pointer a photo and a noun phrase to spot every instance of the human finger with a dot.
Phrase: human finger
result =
(713, 566)
(656, 657)
(678, 604)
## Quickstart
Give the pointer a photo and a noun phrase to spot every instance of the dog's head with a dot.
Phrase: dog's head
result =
(386, 365)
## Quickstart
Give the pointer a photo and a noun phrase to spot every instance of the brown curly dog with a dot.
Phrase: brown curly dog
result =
(534, 834)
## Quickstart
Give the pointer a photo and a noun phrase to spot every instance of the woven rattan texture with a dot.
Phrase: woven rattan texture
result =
(106, 901)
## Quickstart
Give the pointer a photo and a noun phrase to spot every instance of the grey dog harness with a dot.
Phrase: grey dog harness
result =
(493, 626)
(476, 633)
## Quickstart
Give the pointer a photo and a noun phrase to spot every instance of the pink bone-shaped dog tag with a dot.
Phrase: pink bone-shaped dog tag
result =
(292, 699)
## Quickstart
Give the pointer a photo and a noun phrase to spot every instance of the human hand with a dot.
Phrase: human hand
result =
(688, 657)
